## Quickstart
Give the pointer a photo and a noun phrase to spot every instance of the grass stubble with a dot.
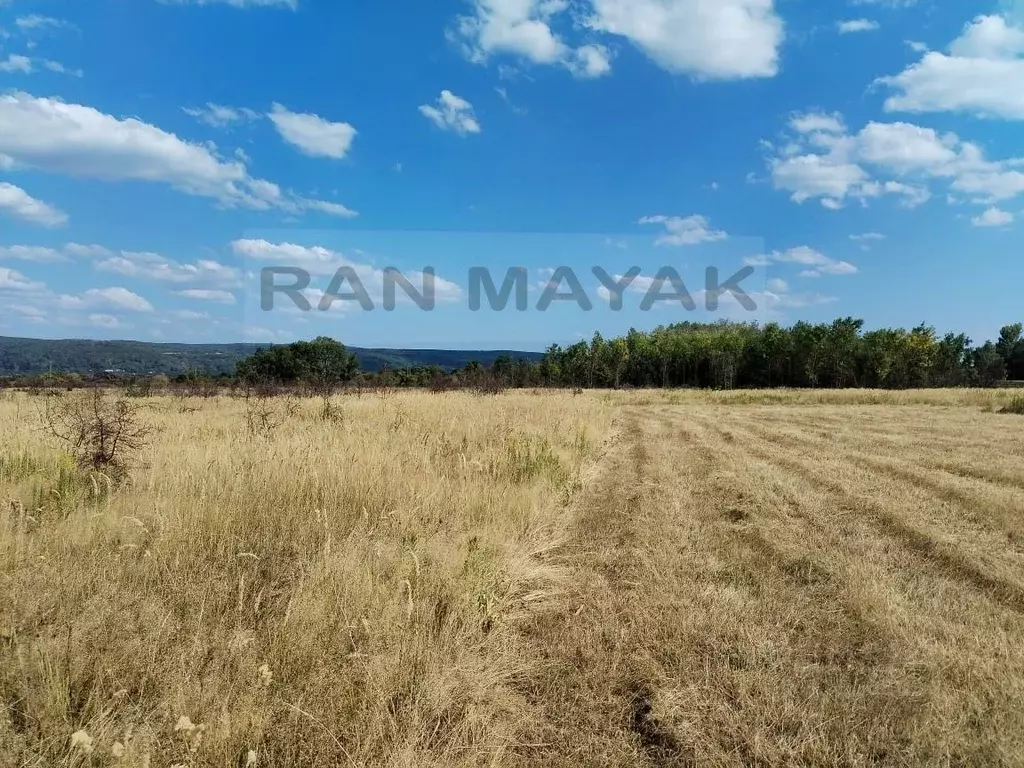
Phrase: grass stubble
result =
(530, 579)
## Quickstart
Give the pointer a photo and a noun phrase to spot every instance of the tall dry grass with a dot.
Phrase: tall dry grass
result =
(318, 593)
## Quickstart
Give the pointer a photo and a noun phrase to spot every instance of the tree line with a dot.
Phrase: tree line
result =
(728, 355)
(722, 355)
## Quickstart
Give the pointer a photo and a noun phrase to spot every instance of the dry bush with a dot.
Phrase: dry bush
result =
(263, 416)
(102, 433)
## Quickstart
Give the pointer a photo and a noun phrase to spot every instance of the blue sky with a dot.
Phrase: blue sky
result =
(865, 157)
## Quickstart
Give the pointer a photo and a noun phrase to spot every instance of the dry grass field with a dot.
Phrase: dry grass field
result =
(528, 579)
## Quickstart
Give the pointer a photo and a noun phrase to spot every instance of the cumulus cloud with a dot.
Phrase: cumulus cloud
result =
(59, 137)
(323, 263)
(816, 263)
(823, 160)
(856, 25)
(16, 202)
(982, 73)
(311, 134)
(523, 28)
(16, 63)
(12, 280)
(590, 61)
(993, 217)
(153, 266)
(204, 294)
(452, 113)
(116, 298)
(34, 253)
(866, 239)
(723, 40)
(688, 230)
(37, 21)
(220, 116)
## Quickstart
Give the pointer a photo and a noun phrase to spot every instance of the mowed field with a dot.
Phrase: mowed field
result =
(526, 579)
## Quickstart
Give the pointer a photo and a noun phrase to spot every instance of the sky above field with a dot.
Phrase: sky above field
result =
(864, 157)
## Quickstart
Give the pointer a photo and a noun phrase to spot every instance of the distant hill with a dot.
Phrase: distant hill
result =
(20, 356)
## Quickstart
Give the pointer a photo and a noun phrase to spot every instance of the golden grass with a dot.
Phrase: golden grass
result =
(772, 578)
(799, 585)
(340, 592)
(990, 398)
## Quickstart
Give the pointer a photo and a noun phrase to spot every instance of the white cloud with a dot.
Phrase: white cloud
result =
(259, 333)
(721, 40)
(220, 116)
(993, 217)
(905, 147)
(689, 230)
(590, 61)
(25, 65)
(16, 63)
(153, 266)
(866, 239)
(523, 28)
(322, 262)
(189, 314)
(31, 313)
(989, 37)
(11, 280)
(119, 298)
(325, 206)
(898, 159)
(56, 66)
(37, 21)
(817, 122)
(34, 253)
(982, 74)
(772, 302)
(818, 263)
(103, 298)
(202, 294)
(55, 136)
(18, 203)
(857, 25)
(311, 134)
(777, 285)
(452, 114)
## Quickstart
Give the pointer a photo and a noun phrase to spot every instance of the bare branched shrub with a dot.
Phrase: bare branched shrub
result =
(261, 418)
(292, 406)
(329, 411)
(101, 433)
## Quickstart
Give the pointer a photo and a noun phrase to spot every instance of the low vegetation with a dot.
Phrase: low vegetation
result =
(534, 578)
(321, 593)
(1016, 405)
